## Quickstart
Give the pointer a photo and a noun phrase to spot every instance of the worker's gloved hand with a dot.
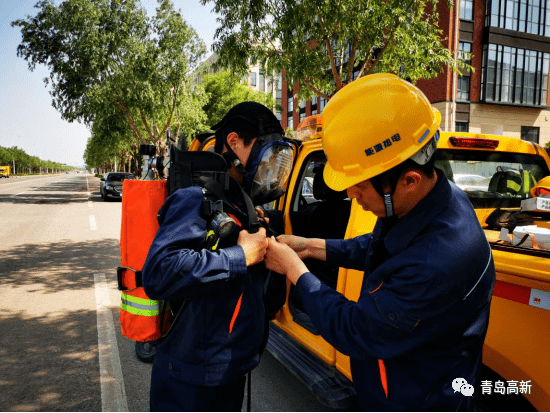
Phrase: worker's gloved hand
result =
(508, 219)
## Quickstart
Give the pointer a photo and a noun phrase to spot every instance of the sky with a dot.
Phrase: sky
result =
(27, 118)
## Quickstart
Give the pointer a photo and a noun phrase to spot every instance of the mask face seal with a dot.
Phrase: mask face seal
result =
(268, 172)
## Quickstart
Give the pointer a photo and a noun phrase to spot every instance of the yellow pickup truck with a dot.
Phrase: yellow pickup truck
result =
(517, 348)
(4, 171)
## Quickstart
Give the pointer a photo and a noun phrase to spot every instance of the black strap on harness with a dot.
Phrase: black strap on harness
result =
(120, 272)
(251, 224)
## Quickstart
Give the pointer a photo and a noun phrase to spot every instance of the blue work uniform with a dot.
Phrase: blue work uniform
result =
(222, 330)
(422, 315)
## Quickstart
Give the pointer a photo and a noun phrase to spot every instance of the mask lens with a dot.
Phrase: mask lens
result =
(273, 169)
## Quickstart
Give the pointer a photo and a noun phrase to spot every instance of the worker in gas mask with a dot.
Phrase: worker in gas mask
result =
(222, 330)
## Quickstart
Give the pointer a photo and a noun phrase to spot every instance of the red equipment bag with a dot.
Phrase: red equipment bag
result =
(140, 317)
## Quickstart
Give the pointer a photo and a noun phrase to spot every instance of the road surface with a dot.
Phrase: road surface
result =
(60, 342)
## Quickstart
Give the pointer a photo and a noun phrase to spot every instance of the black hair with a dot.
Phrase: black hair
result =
(249, 120)
(246, 131)
(428, 168)
(392, 175)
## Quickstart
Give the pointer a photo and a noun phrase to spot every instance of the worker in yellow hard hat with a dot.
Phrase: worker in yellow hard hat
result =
(416, 333)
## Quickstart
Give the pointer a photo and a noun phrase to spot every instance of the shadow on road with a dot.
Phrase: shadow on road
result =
(58, 266)
(55, 193)
(54, 368)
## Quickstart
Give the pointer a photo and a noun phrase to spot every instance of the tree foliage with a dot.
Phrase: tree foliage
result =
(25, 163)
(224, 91)
(107, 57)
(313, 40)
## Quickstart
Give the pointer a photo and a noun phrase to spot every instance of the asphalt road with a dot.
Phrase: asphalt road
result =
(60, 342)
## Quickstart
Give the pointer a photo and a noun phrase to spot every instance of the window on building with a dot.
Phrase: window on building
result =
(467, 9)
(527, 16)
(530, 133)
(278, 95)
(252, 78)
(463, 88)
(302, 116)
(462, 126)
(463, 83)
(261, 82)
(290, 104)
(465, 52)
(512, 75)
(290, 123)
(322, 104)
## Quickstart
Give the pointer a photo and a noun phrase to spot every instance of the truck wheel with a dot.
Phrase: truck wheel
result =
(146, 351)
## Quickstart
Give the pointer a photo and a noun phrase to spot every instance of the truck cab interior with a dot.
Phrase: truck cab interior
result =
(317, 212)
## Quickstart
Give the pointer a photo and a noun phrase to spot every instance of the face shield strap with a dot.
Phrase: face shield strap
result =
(233, 160)
(254, 155)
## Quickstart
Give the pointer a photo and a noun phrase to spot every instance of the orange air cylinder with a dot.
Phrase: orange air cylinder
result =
(140, 317)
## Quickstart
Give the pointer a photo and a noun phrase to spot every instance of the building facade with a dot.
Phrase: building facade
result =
(255, 79)
(271, 83)
(508, 45)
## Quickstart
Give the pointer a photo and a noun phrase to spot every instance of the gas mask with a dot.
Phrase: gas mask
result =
(268, 170)
(270, 160)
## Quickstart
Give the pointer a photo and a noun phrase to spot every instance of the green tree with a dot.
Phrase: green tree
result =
(107, 55)
(25, 163)
(224, 91)
(325, 44)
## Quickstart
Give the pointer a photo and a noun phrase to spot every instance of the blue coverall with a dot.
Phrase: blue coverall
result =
(218, 338)
(422, 315)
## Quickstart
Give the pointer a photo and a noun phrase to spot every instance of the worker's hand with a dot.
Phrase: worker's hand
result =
(261, 215)
(298, 244)
(253, 245)
(283, 260)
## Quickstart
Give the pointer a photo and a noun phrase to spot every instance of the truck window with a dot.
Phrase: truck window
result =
(492, 179)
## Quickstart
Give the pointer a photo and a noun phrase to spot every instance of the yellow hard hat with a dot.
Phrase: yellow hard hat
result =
(542, 186)
(372, 125)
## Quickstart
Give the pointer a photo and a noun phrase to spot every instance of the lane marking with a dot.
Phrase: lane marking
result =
(113, 393)
(93, 226)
